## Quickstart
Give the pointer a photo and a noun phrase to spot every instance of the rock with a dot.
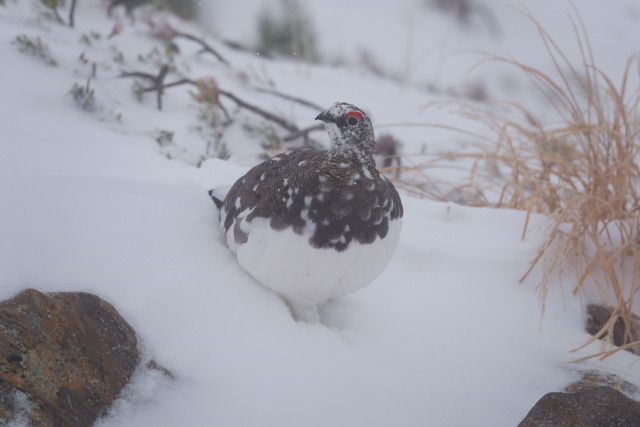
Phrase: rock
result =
(64, 358)
(594, 378)
(596, 406)
(598, 316)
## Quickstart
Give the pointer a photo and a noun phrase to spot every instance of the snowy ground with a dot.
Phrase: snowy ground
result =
(90, 202)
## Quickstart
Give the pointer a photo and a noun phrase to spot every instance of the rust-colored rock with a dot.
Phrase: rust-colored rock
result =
(64, 358)
(591, 407)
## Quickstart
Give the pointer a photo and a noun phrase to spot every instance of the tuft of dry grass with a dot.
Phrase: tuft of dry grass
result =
(582, 172)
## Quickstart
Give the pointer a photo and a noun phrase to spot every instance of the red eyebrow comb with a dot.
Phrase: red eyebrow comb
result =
(357, 114)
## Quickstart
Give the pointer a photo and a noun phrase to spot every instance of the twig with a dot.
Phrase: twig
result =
(242, 48)
(205, 46)
(291, 98)
(156, 80)
(302, 133)
(72, 11)
(306, 141)
(159, 87)
(178, 83)
(56, 14)
(172, 84)
(267, 115)
(137, 74)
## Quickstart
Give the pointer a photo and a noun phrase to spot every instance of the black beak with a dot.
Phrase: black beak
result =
(324, 117)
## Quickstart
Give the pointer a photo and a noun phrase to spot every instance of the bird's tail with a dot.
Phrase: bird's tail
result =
(218, 195)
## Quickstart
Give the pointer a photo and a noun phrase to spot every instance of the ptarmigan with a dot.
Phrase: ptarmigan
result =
(315, 225)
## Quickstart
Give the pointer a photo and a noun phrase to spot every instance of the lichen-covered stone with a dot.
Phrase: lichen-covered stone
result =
(64, 358)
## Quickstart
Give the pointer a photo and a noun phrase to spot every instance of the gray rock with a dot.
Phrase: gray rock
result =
(597, 406)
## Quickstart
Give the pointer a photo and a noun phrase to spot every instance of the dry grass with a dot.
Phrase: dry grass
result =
(416, 177)
(582, 172)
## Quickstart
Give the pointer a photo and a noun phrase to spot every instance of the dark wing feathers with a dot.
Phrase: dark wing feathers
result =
(345, 204)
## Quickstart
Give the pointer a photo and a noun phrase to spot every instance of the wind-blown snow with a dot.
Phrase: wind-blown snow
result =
(446, 336)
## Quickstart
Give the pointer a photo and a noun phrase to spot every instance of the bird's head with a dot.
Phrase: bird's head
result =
(350, 131)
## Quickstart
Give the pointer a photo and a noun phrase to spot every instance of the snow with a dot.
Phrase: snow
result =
(446, 336)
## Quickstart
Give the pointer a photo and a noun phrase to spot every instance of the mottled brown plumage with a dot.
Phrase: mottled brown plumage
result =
(345, 203)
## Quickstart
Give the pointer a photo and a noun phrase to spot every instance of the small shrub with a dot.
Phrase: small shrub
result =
(186, 9)
(223, 151)
(89, 38)
(159, 57)
(52, 4)
(52, 9)
(466, 11)
(138, 89)
(269, 138)
(582, 173)
(212, 131)
(84, 96)
(118, 56)
(208, 91)
(164, 138)
(289, 34)
(35, 47)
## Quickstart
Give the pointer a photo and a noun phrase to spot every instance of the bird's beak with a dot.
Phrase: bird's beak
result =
(324, 117)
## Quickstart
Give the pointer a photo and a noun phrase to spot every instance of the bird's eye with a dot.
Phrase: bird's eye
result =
(353, 117)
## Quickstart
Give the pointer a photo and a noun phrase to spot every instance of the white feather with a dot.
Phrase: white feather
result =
(305, 276)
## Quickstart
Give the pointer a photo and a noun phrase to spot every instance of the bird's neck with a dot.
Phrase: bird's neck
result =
(361, 153)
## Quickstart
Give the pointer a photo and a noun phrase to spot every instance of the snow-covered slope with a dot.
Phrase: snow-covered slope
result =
(89, 201)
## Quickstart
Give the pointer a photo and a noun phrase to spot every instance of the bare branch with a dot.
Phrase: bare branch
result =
(172, 84)
(159, 87)
(291, 98)
(302, 133)
(72, 11)
(267, 115)
(242, 48)
(137, 74)
(156, 80)
(205, 46)
(56, 14)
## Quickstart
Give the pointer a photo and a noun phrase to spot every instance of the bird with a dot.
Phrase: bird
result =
(315, 225)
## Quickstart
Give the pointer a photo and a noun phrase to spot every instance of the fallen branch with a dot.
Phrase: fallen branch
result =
(257, 110)
(157, 81)
(165, 31)
(53, 6)
(302, 133)
(205, 46)
(168, 85)
(193, 83)
(159, 87)
(56, 14)
(291, 98)
(242, 48)
(72, 11)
